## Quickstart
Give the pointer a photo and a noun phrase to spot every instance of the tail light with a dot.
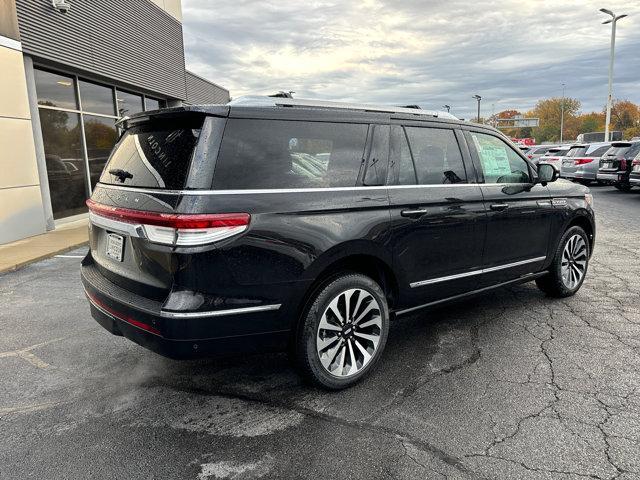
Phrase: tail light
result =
(582, 161)
(174, 228)
(530, 157)
(623, 164)
(636, 162)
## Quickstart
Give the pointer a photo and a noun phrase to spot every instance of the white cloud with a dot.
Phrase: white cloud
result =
(413, 51)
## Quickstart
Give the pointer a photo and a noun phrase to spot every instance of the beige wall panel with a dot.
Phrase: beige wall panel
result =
(20, 213)
(18, 165)
(13, 85)
(174, 8)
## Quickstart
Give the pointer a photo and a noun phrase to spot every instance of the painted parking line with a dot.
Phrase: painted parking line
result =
(69, 256)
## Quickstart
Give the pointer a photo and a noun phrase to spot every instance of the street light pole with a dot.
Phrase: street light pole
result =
(562, 114)
(613, 20)
(478, 98)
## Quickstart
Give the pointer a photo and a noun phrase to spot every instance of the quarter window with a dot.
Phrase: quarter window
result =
(499, 162)
(377, 166)
(260, 154)
(436, 156)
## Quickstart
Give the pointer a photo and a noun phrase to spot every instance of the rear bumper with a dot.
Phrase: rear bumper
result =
(610, 177)
(178, 334)
(634, 179)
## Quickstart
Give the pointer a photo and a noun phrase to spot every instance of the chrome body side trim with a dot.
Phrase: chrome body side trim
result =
(220, 313)
(294, 190)
(522, 279)
(431, 281)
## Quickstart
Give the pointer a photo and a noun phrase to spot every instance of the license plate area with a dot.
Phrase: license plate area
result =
(115, 246)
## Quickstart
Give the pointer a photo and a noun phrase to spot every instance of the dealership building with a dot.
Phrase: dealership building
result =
(69, 70)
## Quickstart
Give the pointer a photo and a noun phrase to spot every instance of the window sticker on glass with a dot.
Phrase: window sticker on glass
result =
(495, 162)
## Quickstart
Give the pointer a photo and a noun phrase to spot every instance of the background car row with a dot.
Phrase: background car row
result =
(607, 163)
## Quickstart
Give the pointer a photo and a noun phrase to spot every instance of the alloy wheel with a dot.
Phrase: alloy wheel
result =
(349, 332)
(574, 261)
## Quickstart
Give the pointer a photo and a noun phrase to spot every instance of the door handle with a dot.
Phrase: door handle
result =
(499, 207)
(414, 213)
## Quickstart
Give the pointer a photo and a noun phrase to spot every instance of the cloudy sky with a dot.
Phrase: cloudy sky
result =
(429, 53)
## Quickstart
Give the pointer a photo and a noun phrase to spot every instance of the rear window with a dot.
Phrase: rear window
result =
(260, 154)
(153, 156)
(617, 151)
(539, 151)
(576, 152)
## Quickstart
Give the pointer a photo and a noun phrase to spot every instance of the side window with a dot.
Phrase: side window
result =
(499, 162)
(376, 173)
(263, 154)
(400, 158)
(436, 156)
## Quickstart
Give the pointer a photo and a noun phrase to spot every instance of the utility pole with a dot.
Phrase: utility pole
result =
(478, 98)
(613, 20)
(562, 114)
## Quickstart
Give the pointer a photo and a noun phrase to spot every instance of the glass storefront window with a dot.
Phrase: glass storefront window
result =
(55, 90)
(101, 135)
(128, 103)
(96, 98)
(65, 161)
(70, 182)
(152, 104)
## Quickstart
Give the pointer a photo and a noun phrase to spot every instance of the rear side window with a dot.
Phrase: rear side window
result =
(632, 152)
(153, 156)
(576, 152)
(598, 152)
(261, 154)
(436, 156)
(499, 162)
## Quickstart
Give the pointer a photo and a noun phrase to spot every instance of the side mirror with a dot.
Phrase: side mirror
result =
(547, 173)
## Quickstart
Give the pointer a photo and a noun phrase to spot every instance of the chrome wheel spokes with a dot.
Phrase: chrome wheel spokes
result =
(349, 332)
(574, 261)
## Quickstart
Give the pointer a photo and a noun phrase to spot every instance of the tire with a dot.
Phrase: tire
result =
(326, 348)
(565, 280)
(623, 187)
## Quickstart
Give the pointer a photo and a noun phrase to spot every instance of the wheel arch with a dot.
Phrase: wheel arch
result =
(583, 221)
(373, 263)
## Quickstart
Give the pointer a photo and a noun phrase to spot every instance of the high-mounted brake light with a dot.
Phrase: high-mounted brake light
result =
(582, 161)
(175, 228)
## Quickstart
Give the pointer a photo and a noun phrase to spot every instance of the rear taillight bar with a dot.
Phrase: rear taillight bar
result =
(582, 161)
(170, 228)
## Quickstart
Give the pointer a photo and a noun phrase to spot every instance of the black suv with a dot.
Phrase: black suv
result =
(275, 224)
(616, 164)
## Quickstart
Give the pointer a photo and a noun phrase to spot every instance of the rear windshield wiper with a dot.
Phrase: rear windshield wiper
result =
(122, 175)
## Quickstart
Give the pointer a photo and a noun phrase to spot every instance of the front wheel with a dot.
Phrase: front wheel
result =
(343, 332)
(569, 265)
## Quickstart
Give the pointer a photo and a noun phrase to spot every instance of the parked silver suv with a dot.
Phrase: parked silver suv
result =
(582, 161)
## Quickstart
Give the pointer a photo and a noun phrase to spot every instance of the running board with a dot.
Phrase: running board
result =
(525, 278)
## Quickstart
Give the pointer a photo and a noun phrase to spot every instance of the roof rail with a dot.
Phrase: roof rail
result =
(262, 101)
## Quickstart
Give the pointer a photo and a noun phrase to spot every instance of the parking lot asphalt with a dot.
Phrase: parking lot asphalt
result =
(509, 385)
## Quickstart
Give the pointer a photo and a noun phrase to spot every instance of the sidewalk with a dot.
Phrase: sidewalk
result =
(23, 252)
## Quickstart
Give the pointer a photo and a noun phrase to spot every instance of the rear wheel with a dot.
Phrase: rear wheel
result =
(343, 332)
(569, 265)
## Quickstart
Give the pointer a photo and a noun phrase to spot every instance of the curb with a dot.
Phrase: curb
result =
(18, 266)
